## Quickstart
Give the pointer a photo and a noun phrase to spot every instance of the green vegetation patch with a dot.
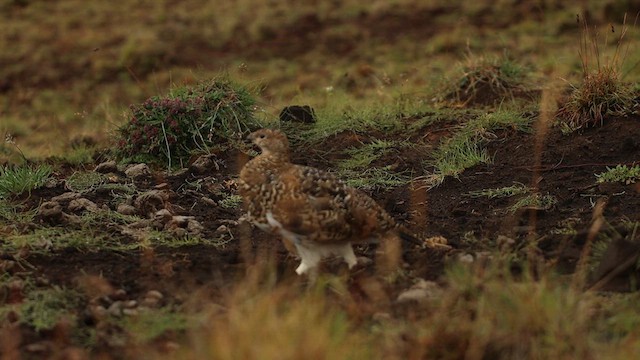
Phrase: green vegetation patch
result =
(44, 308)
(507, 191)
(168, 129)
(151, 323)
(465, 148)
(361, 157)
(620, 173)
(375, 178)
(83, 181)
(488, 80)
(15, 180)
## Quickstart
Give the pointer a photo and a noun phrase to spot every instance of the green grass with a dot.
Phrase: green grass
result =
(44, 308)
(464, 148)
(534, 201)
(620, 173)
(361, 157)
(149, 324)
(507, 191)
(169, 129)
(15, 180)
(602, 93)
(488, 80)
(374, 178)
(231, 202)
(84, 181)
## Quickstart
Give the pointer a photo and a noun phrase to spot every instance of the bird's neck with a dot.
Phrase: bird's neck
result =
(275, 157)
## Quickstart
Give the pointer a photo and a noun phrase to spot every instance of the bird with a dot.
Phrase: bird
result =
(314, 211)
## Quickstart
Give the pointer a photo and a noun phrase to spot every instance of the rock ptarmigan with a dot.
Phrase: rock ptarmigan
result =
(310, 208)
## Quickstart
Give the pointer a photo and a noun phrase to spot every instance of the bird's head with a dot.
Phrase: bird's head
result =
(270, 142)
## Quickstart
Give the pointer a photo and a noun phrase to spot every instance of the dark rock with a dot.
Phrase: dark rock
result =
(299, 114)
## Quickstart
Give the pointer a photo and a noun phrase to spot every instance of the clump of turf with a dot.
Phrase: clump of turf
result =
(602, 92)
(169, 129)
(488, 81)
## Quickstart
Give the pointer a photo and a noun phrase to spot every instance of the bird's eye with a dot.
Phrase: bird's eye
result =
(262, 136)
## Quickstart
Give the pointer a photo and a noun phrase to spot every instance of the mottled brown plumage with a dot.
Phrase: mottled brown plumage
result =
(311, 208)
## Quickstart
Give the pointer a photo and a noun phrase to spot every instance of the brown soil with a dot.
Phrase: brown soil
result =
(565, 170)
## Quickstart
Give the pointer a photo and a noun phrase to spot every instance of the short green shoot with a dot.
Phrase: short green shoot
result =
(620, 173)
(534, 202)
(375, 178)
(230, 201)
(361, 157)
(507, 191)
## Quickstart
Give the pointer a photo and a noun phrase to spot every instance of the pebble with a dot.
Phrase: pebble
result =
(39, 347)
(115, 309)
(66, 197)
(81, 204)
(107, 167)
(465, 258)
(120, 294)
(194, 227)
(130, 304)
(126, 209)
(421, 291)
(50, 209)
(130, 312)
(138, 170)
(222, 229)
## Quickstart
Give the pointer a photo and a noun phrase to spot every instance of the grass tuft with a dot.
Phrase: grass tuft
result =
(602, 92)
(488, 80)
(15, 180)
(169, 129)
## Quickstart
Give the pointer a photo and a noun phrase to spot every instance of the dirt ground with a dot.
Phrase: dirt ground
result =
(470, 224)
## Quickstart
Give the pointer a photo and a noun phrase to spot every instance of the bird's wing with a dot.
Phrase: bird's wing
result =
(313, 204)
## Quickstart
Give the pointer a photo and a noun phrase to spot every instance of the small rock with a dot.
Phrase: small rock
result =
(137, 170)
(154, 294)
(162, 217)
(162, 186)
(194, 227)
(39, 347)
(465, 258)
(150, 202)
(50, 210)
(222, 229)
(130, 304)
(98, 311)
(42, 281)
(209, 201)
(126, 209)
(421, 291)
(152, 299)
(107, 167)
(179, 232)
(204, 164)
(115, 309)
(82, 204)
(381, 316)
(297, 113)
(130, 312)
(66, 197)
(120, 294)
(505, 242)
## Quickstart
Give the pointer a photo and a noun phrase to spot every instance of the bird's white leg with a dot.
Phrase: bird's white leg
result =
(309, 259)
(346, 251)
